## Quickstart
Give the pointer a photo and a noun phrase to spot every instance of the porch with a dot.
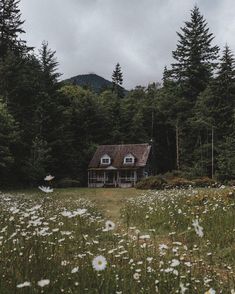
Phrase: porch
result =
(112, 178)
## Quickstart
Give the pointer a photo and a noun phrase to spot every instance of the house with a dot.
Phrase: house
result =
(119, 165)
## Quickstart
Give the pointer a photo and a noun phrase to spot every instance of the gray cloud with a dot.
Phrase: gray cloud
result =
(93, 35)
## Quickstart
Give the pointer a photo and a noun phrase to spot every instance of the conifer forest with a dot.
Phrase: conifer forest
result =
(48, 125)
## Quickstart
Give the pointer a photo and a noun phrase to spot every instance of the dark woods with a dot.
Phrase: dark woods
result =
(47, 126)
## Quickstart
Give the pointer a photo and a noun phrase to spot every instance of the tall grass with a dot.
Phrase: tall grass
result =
(154, 249)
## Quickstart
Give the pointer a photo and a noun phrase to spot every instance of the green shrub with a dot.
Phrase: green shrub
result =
(203, 182)
(68, 183)
(178, 182)
(154, 182)
(231, 183)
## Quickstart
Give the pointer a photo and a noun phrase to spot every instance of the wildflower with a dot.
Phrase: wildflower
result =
(109, 226)
(48, 178)
(70, 214)
(45, 189)
(143, 237)
(198, 228)
(43, 283)
(99, 263)
(74, 270)
(25, 284)
(136, 276)
(210, 291)
(163, 246)
(183, 289)
(149, 259)
(64, 262)
(174, 263)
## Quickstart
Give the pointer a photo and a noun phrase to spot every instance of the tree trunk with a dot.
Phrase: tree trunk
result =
(177, 145)
(212, 152)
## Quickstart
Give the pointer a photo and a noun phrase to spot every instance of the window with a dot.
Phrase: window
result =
(129, 159)
(105, 159)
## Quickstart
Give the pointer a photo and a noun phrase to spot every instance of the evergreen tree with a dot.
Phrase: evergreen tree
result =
(226, 159)
(214, 111)
(117, 80)
(35, 167)
(46, 108)
(225, 93)
(8, 137)
(49, 67)
(202, 124)
(11, 28)
(195, 56)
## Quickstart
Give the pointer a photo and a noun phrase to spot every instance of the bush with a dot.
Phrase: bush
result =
(170, 181)
(203, 182)
(154, 182)
(231, 183)
(68, 183)
(177, 182)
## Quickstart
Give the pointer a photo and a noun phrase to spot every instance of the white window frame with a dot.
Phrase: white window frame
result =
(127, 157)
(105, 159)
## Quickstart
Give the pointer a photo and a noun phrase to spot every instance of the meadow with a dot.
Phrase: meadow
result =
(117, 241)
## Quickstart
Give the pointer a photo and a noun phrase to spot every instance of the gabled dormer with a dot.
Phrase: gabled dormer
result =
(105, 159)
(129, 159)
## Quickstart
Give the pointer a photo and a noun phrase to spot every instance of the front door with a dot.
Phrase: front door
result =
(111, 178)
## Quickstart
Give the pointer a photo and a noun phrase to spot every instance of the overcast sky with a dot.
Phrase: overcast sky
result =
(93, 35)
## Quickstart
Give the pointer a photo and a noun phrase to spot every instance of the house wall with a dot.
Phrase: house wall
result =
(125, 185)
(117, 178)
(95, 185)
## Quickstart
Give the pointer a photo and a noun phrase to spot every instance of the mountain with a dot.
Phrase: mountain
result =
(91, 81)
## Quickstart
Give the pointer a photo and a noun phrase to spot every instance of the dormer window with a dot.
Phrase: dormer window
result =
(129, 159)
(105, 159)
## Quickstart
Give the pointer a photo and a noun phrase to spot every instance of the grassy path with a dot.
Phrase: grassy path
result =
(108, 200)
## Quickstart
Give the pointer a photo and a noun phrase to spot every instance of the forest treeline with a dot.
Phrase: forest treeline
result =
(47, 126)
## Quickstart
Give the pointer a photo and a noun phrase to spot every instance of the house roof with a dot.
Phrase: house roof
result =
(117, 154)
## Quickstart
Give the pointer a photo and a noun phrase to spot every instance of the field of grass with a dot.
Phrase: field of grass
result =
(175, 241)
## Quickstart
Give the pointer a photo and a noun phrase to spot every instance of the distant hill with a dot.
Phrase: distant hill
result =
(91, 81)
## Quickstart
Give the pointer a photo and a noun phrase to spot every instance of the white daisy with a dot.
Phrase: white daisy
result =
(109, 226)
(210, 291)
(48, 178)
(183, 289)
(198, 228)
(144, 237)
(25, 284)
(175, 262)
(45, 189)
(43, 283)
(75, 270)
(99, 263)
(136, 276)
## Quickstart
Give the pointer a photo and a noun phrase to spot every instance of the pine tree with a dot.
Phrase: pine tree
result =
(195, 56)
(226, 159)
(49, 66)
(36, 164)
(11, 28)
(117, 80)
(8, 136)
(225, 93)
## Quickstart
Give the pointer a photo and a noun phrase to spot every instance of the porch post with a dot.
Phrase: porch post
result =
(88, 179)
(104, 177)
(135, 177)
(117, 178)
